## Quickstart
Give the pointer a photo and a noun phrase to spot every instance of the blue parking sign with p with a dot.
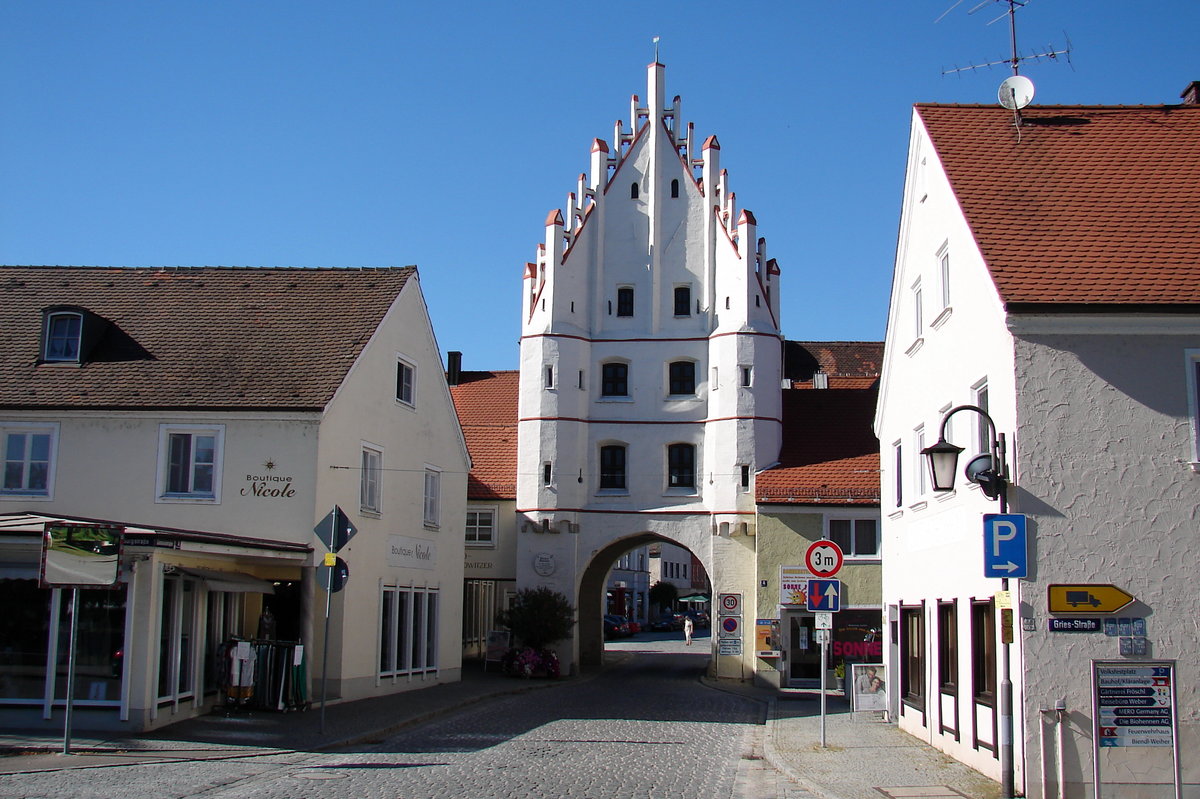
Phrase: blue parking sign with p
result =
(1004, 549)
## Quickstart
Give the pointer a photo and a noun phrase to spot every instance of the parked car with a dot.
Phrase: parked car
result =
(667, 623)
(699, 619)
(634, 626)
(615, 627)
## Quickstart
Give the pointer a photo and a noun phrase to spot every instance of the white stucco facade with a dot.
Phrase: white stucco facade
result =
(195, 568)
(1100, 439)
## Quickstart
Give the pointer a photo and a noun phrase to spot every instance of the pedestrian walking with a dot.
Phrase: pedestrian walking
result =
(687, 630)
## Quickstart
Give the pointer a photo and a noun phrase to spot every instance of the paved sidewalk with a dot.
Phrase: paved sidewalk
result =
(862, 759)
(254, 733)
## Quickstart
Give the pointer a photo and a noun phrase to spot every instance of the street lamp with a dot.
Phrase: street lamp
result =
(990, 473)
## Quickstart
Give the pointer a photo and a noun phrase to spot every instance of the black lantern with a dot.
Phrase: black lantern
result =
(943, 463)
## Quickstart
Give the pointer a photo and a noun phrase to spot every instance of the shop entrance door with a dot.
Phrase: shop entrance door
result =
(803, 652)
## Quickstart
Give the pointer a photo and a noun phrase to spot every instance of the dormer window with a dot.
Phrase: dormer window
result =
(62, 333)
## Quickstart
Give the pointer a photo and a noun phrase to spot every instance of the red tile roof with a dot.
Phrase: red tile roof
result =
(830, 455)
(848, 364)
(1092, 205)
(487, 411)
(193, 337)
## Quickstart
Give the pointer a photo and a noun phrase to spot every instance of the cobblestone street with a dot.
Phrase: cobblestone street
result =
(646, 727)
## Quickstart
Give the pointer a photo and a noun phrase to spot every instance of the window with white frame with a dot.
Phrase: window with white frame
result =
(177, 655)
(1193, 384)
(406, 382)
(918, 313)
(943, 262)
(189, 462)
(857, 538)
(983, 434)
(919, 466)
(370, 482)
(61, 337)
(28, 452)
(481, 527)
(408, 624)
(898, 467)
(433, 493)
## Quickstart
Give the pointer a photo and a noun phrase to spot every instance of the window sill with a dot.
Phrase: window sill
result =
(188, 499)
(942, 317)
(480, 545)
(896, 514)
(865, 560)
(432, 526)
(680, 398)
(33, 496)
(682, 491)
(409, 406)
(613, 492)
(1195, 466)
(615, 398)
(370, 513)
(918, 505)
(915, 347)
(944, 496)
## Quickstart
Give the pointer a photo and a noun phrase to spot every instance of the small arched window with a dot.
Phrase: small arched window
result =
(61, 342)
(675, 188)
(633, 191)
(681, 466)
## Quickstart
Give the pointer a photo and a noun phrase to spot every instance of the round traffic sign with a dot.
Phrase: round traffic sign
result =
(729, 624)
(823, 558)
(730, 603)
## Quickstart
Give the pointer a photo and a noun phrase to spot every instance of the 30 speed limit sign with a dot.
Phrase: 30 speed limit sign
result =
(730, 604)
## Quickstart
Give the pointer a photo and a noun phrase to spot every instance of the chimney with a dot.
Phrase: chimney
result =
(1191, 95)
(453, 367)
(820, 379)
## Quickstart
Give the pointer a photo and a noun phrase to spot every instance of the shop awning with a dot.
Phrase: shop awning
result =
(693, 598)
(233, 582)
(18, 570)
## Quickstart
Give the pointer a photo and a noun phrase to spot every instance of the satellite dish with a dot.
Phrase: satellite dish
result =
(1016, 92)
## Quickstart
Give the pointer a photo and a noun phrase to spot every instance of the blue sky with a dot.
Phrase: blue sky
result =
(371, 133)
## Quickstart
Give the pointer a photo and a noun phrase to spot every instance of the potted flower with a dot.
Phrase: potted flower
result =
(839, 673)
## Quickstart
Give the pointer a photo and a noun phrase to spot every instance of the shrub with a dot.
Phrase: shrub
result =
(538, 617)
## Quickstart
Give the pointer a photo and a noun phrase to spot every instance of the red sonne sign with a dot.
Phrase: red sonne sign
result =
(858, 649)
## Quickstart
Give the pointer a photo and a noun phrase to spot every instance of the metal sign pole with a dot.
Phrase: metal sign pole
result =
(325, 647)
(71, 671)
(824, 647)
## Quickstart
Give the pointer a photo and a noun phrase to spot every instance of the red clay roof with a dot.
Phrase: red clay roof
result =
(830, 455)
(193, 337)
(848, 364)
(487, 411)
(1092, 205)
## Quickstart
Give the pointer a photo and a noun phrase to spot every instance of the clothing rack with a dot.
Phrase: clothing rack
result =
(264, 675)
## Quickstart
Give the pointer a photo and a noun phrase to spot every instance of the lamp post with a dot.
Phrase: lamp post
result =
(990, 472)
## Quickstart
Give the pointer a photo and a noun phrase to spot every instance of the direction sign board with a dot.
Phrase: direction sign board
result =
(1086, 598)
(1005, 553)
(825, 595)
(1135, 704)
(730, 627)
(730, 604)
(823, 558)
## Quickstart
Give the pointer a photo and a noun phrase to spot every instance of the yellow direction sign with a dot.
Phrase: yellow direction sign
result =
(1087, 598)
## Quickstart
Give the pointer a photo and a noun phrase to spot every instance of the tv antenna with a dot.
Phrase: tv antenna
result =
(1015, 59)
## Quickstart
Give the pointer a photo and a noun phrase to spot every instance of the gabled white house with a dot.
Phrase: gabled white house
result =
(217, 416)
(1050, 275)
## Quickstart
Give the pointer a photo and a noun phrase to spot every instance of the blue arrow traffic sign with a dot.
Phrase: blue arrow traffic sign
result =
(1004, 551)
(825, 595)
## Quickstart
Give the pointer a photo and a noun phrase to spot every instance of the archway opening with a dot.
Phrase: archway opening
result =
(617, 582)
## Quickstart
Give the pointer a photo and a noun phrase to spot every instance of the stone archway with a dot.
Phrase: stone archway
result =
(590, 603)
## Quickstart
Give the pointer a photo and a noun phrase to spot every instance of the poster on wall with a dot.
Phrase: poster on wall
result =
(869, 686)
(766, 638)
(793, 585)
